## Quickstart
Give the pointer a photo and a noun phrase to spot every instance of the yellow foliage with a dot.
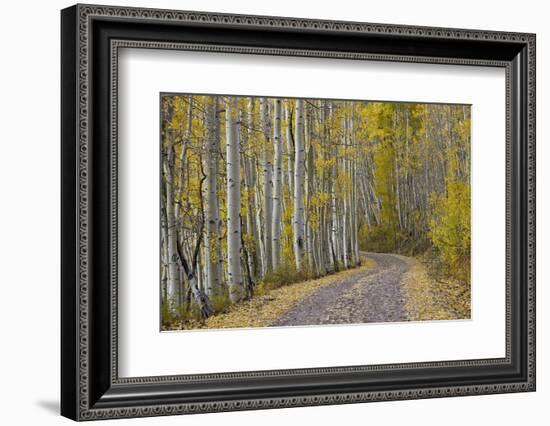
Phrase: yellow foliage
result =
(450, 229)
(321, 164)
(343, 183)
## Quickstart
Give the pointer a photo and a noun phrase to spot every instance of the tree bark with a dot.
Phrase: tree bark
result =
(173, 283)
(344, 171)
(268, 186)
(233, 203)
(277, 202)
(183, 156)
(309, 178)
(213, 255)
(164, 253)
(190, 270)
(333, 201)
(289, 149)
(298, 211)
(254, 209)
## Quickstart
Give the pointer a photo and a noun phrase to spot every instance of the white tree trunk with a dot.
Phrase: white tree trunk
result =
(356, 258)
(277, 201)
(345, 224)
(259, 219)
(233, 203)
(250, 182)
(328, 253)
(189, 269)
(309, 178)
(335, 241)
(254, 209)
(212, 248)
(345, 233)
(173, 265)
(354, 189)
(290, 150)
(164, 254)
(298, 211)
(268, 186)
(183, 153)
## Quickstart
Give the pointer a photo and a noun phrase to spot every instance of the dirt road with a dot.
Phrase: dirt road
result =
(375, 295)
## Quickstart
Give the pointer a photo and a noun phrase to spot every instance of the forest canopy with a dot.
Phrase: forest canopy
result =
(258, 193)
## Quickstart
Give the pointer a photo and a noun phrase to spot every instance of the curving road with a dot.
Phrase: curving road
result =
(375, 295)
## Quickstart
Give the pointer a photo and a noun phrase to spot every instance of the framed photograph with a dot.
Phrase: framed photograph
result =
(263, 212)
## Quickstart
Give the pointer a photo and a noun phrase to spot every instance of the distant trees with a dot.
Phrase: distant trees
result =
(449, 226)
(260, 190)
(414, 184)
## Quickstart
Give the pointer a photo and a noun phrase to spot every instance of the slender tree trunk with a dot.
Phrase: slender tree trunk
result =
(355, 203)
(326, 221)
(250, 182)
(164, 253)
(277, 201)
(233, 203)
(309, 177)
(333, 201)
(259, 219)
(298, 210)
(247, 244)
(268, 186)
(397, 194)
(254, 202)
(211, 242)
(173, 268)
(345, 223)
(289, 149)
(190, 270)
(183, 156)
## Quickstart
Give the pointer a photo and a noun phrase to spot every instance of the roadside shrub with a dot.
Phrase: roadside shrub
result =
(167, 318)
(220, 302)
(450, 230)
(284, 275)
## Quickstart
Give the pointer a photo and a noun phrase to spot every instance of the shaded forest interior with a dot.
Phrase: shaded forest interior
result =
(258, 193)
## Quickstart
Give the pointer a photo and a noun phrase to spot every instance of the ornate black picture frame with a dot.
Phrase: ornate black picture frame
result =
(91, 36)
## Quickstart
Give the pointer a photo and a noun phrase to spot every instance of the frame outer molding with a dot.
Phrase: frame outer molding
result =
(76, 402)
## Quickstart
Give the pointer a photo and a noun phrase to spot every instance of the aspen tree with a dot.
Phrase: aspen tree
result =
(277, 182)
(234, 274)
(298, 210)
(174, 281)
(213, 252)
(268, 185)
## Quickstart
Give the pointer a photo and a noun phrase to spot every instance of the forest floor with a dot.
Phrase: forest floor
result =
(385, 288)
